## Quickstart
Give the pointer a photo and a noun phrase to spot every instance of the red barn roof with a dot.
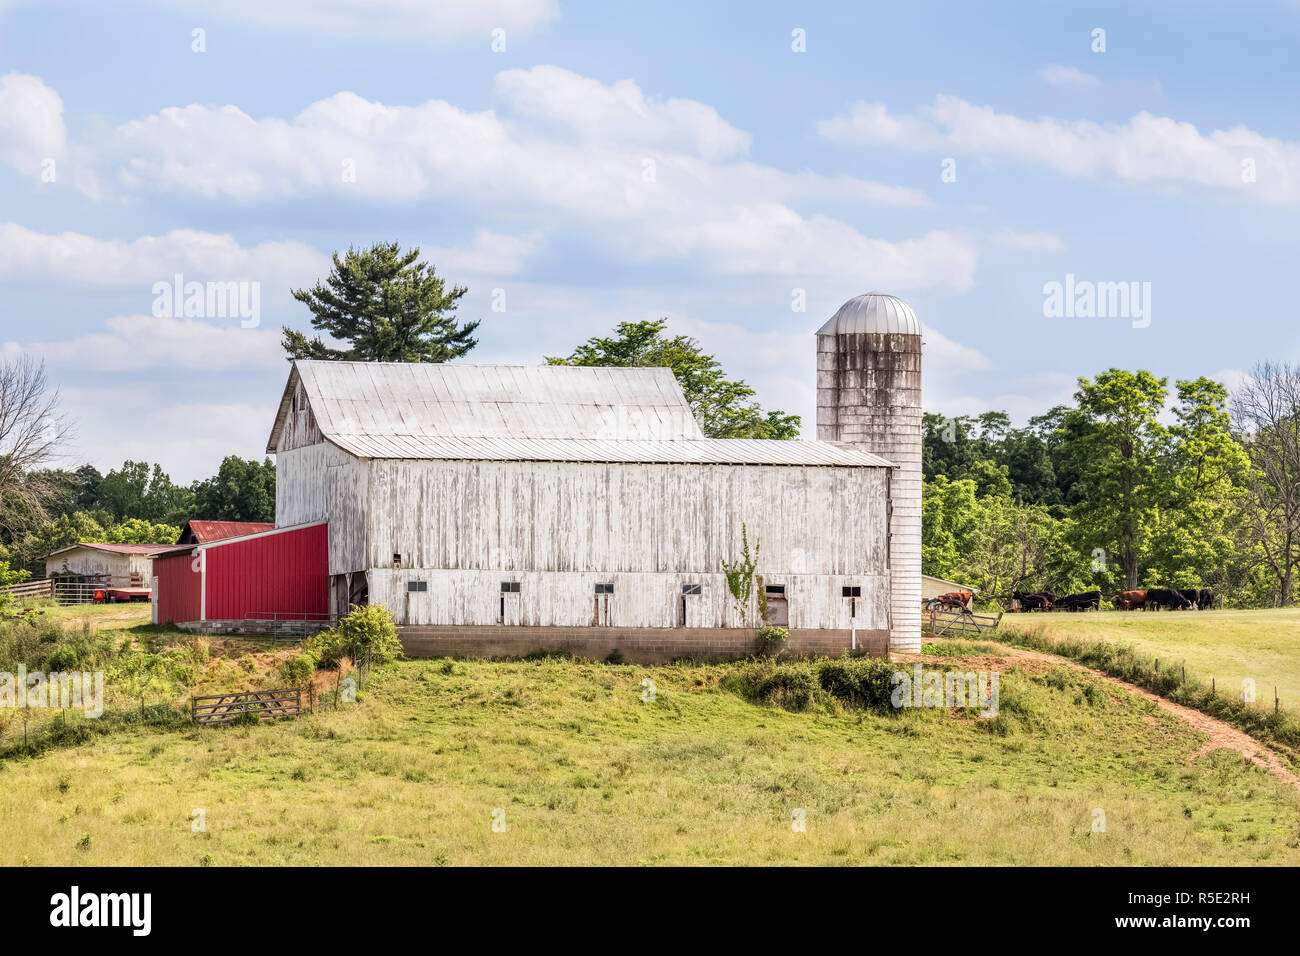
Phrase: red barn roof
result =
(201, 532)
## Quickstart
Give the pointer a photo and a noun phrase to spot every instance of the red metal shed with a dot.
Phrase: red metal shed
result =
(282, 574)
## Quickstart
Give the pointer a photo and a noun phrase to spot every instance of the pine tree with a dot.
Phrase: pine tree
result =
(387, 306)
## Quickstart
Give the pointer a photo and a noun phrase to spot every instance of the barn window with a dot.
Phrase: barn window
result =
(690, 589)
(604, 588)
(778, 610)
(851, 592)
(413, 586)
(397, 560)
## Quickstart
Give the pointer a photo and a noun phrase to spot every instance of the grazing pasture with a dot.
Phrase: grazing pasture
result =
(577, 766)
(1263, 645)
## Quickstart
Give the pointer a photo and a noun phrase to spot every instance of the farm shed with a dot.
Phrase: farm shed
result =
(506, 509)
(122, 565)
(276, 575)
(932, 587)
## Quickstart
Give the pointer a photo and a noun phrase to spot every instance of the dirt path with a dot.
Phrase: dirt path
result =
(1222, 735)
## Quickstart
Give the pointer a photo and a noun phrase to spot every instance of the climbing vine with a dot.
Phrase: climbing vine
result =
(740, 576)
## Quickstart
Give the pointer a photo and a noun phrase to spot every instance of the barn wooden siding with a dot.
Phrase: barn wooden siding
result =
(559, 528)
(568, 599)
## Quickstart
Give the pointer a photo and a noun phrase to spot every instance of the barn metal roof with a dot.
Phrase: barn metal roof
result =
(872, 313)
(525, 413)
(726, 451)
(204, 531)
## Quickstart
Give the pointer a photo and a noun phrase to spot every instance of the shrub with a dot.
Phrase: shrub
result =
(368, 633)
(862, 682)
(771, 640)
(297, 670)
(324, 648)
(614, 657)
(792, 687)
(63, 658)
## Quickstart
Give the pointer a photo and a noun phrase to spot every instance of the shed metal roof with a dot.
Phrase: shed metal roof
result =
(525, 413)
(111, 548)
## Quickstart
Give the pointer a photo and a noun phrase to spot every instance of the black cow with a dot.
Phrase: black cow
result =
(1167, 598)
(1191, 594)
(1083, 601)
(1032, 600)
(1204, 599)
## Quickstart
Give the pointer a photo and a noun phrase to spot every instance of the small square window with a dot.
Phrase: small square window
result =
(397, 560)
(604, 589)
(690, 589)
(412, 586)
(851, 592)
(509, 587)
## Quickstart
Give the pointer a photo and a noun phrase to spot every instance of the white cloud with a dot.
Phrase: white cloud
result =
(1232, 378)
(136, 343)
(618, 114)
(643, 180)
(1147, 149)
(1030, 241)
(487, 254)
(1059, 75)
(31, 123)
(436, 19)
(188, 438)
(75, 257)
(944, 356)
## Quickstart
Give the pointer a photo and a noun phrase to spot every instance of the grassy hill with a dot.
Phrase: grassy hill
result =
(584, 771)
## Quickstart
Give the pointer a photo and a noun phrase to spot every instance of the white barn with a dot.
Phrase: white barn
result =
(505, 509)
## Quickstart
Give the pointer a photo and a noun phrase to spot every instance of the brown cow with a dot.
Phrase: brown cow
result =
(1129, 600)
(956, 600)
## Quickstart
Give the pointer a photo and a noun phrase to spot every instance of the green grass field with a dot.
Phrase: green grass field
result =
(581, 770)
(1226, 645)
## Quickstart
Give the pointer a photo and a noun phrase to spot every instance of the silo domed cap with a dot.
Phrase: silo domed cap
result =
(873, 312)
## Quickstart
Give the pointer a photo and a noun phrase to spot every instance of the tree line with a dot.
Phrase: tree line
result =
(1136, 484)
(137, 503)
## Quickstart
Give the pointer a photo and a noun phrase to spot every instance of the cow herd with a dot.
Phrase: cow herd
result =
(1174, 599)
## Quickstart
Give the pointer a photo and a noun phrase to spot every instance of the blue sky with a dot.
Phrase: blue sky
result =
(127, 157)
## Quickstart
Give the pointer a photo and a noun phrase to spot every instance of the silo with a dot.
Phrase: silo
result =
(869, 396)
